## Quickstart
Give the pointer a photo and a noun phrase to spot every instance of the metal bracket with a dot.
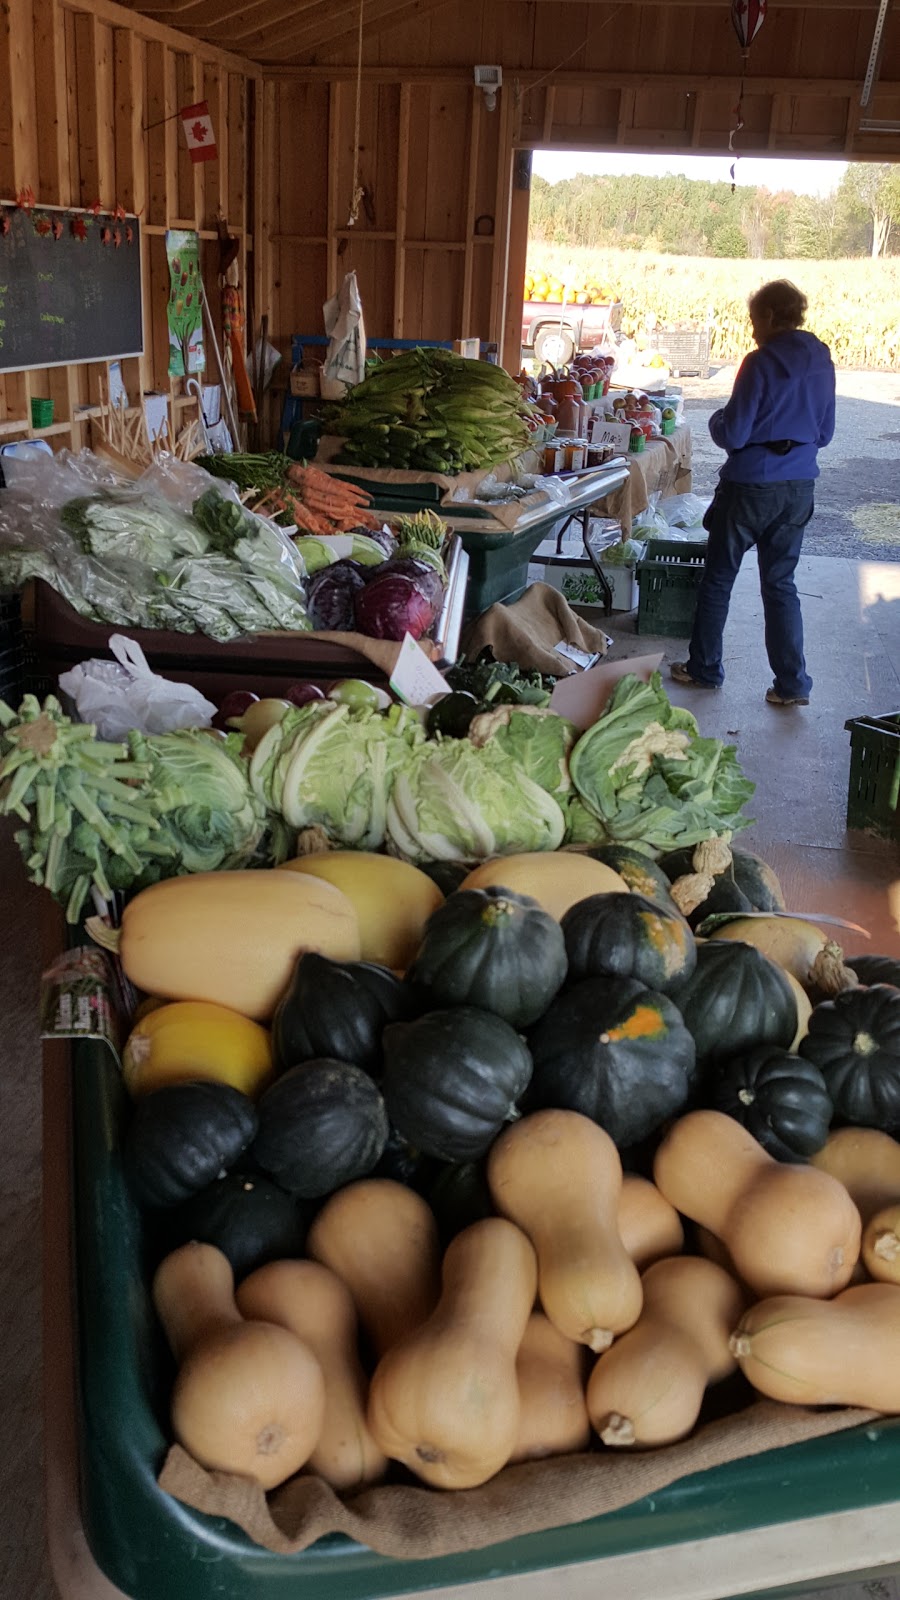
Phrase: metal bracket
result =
(874, 55)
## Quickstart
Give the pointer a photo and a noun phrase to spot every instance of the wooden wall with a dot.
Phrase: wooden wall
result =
(78, 85)
(585, 75)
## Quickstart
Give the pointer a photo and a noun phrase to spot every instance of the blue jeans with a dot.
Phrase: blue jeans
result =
(773, 517)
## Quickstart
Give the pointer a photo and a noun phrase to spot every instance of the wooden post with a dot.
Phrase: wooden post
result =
(402, 188)
(467, 331)
(511, 354)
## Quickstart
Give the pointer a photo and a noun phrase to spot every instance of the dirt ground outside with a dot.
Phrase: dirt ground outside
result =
(858, 493)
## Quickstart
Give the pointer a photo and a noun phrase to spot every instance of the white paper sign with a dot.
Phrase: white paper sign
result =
(415, 679)
(617, 434)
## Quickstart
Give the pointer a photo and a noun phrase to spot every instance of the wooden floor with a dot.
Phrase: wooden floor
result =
(800, 761)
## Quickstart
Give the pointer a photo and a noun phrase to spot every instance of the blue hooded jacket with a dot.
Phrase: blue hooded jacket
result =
(784, 390)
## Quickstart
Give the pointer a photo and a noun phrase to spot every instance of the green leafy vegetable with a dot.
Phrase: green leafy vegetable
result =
(646, 774)
(500, 682)
(537, 740)
(453, 802)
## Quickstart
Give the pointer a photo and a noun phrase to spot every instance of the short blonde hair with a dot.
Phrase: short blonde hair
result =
(784, 300)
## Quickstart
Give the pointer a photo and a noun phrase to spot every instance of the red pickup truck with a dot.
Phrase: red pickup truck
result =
(553, 332)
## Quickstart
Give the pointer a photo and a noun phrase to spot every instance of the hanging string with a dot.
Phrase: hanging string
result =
(738, 114)
(573, 53)
(357, 194)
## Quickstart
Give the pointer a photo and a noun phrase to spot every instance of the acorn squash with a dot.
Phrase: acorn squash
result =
(452, 1079)
(854, 1040)
(779, 1098)
(736, 999)
(616, 1052)
(458, 1197)
(494, 949)
(248, 1218)
(628, 936)
(875, 969)
(641, 873)
(182, 1137)
(758, 881)
(321, 1125)
(337, 1010)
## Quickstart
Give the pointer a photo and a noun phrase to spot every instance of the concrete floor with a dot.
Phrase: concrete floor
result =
(800, 761)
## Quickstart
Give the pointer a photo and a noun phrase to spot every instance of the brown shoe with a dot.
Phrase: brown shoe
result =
(776, 699)
(680, 672)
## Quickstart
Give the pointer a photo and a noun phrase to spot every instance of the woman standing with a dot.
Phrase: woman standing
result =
(781, 413)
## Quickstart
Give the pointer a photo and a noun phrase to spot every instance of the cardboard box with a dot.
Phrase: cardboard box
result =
(624, 585)
(304, 382)
(582, 695)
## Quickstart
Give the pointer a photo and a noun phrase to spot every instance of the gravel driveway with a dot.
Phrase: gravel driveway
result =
(858, 494)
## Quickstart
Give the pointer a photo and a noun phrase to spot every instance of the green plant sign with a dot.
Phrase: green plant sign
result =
(185, 308)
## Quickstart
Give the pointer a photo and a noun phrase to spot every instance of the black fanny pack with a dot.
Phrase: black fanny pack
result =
(781, 447)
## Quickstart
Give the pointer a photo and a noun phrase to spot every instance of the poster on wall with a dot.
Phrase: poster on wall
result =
(185, 308)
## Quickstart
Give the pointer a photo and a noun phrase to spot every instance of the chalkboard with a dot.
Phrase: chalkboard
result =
(68, 290)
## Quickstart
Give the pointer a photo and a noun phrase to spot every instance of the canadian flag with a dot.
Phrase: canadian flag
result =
(198, 131)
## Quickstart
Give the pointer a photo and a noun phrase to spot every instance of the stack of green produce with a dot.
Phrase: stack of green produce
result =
(434, 412)
(116, 816)
(520, 778)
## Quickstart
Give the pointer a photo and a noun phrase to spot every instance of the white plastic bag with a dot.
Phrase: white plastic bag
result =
(117, 696)
(684, 510)
(345, 360)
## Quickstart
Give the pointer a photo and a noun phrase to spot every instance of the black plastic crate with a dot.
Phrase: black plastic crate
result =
(873, 797)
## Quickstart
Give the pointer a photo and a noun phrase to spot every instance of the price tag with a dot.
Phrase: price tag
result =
(416, 680)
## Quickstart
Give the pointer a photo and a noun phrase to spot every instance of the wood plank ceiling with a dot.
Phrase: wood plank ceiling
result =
(306, 32)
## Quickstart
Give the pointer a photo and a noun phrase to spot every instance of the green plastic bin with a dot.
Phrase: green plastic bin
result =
(669, 580)
(153, 1548)
(873, 797)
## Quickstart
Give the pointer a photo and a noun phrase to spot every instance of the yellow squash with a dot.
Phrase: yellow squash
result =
(230, 937)
(392, 899)
(556, 879)
(193, 1039)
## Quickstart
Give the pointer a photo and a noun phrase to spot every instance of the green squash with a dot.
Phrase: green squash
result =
(337, 1010)
(183, 1136)
(403, 1164)
(615, 1051)
(757, 880)
(875, 969)
(854, 1040)
(321, 1125)
(452, 1079)
(781, 1099)
(736, 999)
(628, 936)
(641, 873)
(448, 875)
(493, 949)
(249, 1218)
(725, 895)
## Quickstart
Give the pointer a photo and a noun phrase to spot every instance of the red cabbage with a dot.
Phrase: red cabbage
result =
(391, 606)
(331, 594)
(426, 578)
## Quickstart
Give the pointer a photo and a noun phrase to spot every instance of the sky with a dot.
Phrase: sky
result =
(799, 177)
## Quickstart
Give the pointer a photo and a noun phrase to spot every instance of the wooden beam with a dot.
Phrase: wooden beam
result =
(625, 121)
(19, 159)
(695, 118)
(89, 136)
(475, 115)
(549, 110)
(161, 137)
(502, 212)
(333, 200)
(327, 29)
(131, 168)
(698, 82)
(52, 130)
(403, 124)
(124, 17)
(511, 350)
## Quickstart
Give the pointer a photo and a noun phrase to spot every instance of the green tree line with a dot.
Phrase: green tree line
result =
(677, 215)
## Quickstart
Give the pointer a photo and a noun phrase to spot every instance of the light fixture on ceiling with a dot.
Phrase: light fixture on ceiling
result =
(489, 80)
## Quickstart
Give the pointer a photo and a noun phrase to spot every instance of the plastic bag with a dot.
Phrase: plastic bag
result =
(684, 510)
(345, 360)
(117, 696)
(651, 524)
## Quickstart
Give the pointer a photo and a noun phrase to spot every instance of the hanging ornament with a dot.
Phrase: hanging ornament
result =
(79, 227)
(5, 223)
(748, 17)
(56, 227)
(41, 224)
(25, 200)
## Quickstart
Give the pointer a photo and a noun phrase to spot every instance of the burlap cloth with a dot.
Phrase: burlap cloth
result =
(528, 631)
(409, 1522)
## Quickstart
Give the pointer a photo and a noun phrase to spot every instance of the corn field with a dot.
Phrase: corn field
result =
(854, 305)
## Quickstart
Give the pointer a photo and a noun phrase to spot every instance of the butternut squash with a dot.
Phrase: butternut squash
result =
(445, 1402)
(550, 1372)
(804, 1011)
(825, 1353)
(881, 1245)
(311, 1302)
(788, 1229)
(392, 899)
(558, 1176)
(249, 1397)
(192, 1039)
(648, 1389)
(867, 1163)
(230, 937)
(554, 878)
(381, 1240)
(799, 947)
(649, 1228)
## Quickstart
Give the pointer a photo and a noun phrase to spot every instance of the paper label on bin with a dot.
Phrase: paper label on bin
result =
(80, 999)
(416, 680)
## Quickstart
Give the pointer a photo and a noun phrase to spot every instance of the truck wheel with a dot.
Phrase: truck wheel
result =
(554, 345)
